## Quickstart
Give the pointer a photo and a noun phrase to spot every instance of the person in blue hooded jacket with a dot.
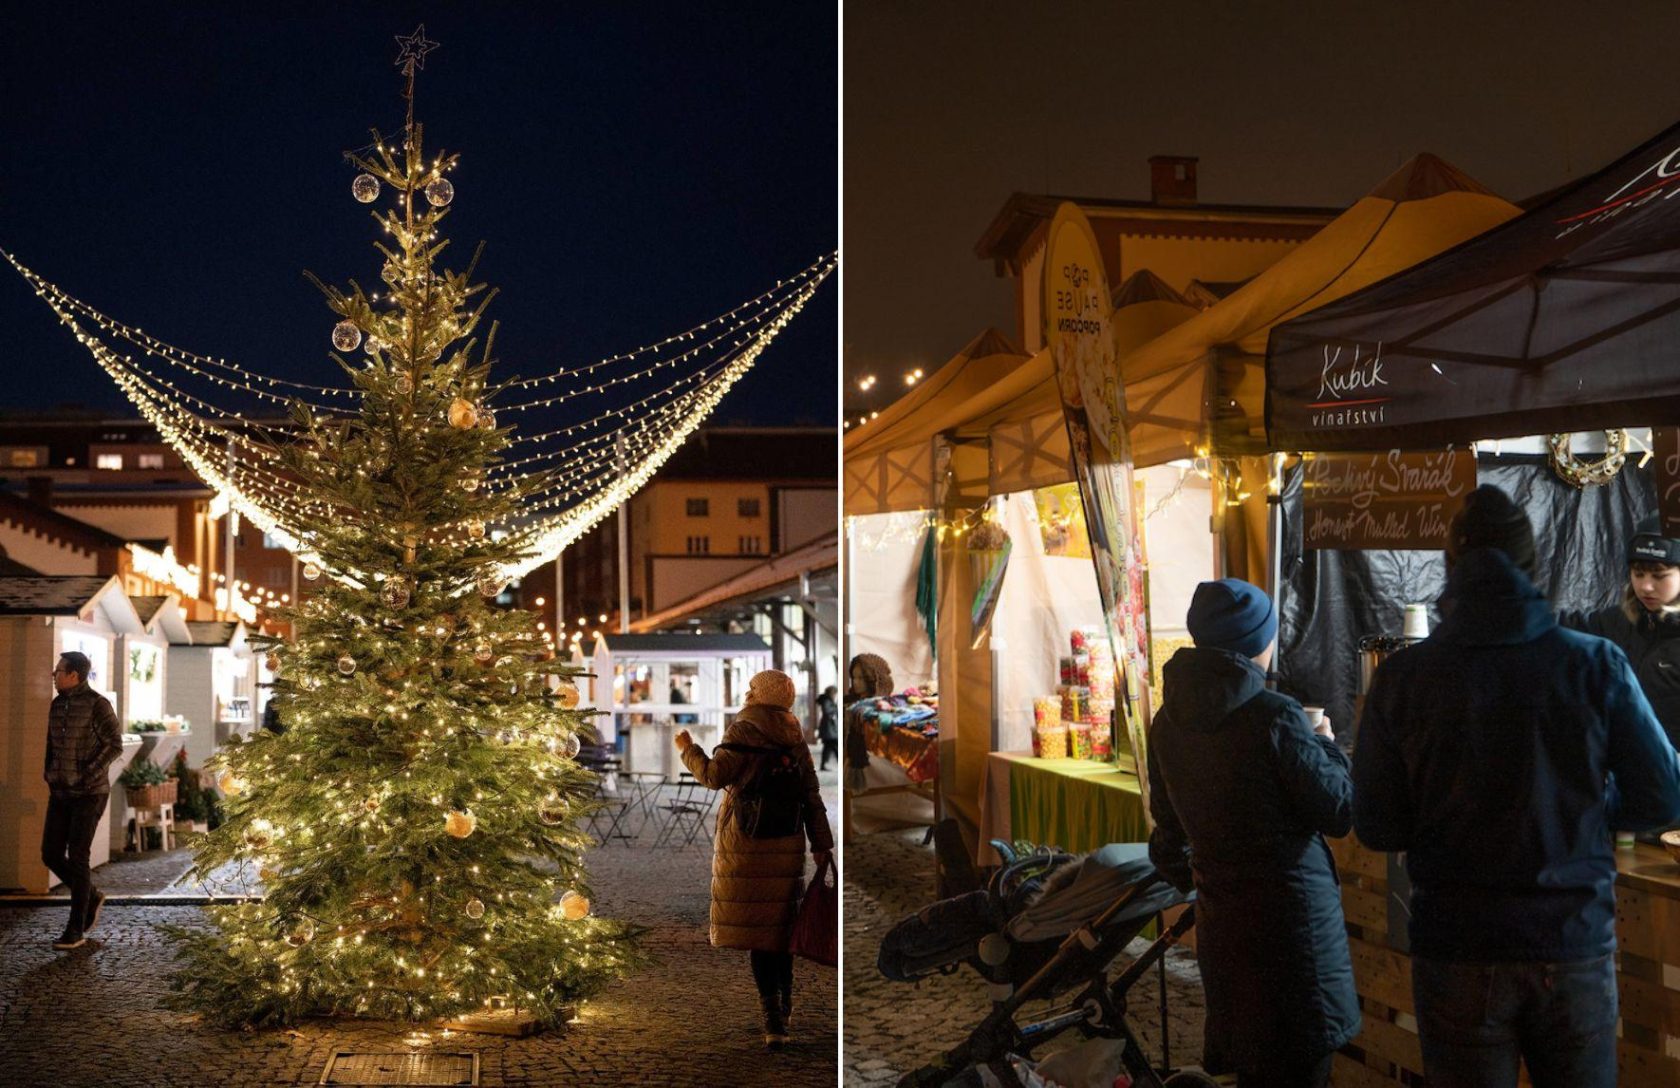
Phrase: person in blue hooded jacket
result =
(1243, 790)
(1499, 754)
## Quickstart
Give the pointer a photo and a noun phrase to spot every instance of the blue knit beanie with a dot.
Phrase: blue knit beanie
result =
(1231, 614)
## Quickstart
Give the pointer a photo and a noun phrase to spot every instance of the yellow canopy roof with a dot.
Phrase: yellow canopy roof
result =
(889, 462)
(1173, 381)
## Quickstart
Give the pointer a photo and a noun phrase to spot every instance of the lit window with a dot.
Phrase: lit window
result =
(151, 460)
(24, 458)
(108, 460)
(699, 508)
(746, 508)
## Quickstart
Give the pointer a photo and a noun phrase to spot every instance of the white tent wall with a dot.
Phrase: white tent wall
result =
(1044, 596)
(1179, 542)
(885, 553)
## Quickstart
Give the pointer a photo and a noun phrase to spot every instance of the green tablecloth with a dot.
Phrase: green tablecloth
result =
(1075, 804)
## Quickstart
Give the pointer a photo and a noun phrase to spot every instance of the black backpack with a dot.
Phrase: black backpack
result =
(770, 804)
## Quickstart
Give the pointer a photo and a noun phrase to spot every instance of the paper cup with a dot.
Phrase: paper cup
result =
(1315, 715)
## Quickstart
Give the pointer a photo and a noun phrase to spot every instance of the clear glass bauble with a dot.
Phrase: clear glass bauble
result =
(484, 653)
(439, 192)
(347, 665)
(571, 746)
(395, 593)
(311, 571)
(301, 934)
(470, 480)
(475, 529)
(552, 811)
(365, 188)
(491, 585)
(486, 419)
(403, 384)
(346, 336)
(474, 909)
(373, 345)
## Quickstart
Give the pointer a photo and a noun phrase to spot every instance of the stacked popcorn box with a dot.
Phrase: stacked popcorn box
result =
(1077, 721)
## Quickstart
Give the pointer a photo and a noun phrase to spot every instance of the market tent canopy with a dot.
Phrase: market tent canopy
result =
(1563, 319)
(1202, 383)
(889, 461)
(1028, 435)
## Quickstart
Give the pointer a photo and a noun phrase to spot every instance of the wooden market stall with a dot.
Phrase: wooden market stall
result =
(41, 617)
(1558, 320)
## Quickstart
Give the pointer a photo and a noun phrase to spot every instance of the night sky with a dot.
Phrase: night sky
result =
(949, 107)
(632, 169)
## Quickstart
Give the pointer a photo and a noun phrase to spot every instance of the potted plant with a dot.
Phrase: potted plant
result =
(193, 806)
(147, 784)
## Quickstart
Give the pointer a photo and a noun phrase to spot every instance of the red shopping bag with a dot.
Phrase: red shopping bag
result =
(816, 930)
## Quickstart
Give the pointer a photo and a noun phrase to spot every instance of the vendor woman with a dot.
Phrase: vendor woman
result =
(1646, 622)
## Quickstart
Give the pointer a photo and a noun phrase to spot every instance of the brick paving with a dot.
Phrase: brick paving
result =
(894, 1027)
(92, 1018)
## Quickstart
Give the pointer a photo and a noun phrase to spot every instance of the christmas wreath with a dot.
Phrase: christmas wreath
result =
(1572, 470)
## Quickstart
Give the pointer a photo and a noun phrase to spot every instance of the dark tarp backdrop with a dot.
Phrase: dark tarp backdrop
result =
(1332, 599)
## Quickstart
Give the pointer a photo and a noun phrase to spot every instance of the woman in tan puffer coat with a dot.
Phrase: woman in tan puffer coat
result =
(756, 883)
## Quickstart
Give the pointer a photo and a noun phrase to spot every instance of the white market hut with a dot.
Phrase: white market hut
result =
(41, 617)
(212, 684)
(636, 674)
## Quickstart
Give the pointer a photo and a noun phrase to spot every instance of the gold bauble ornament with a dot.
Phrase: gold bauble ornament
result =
(459, 824)
(273, 662)
(265, 874)
(474, 908)
(371, 804)
(471, 479)
(574, 906)
(311, 571)
(484, 654)
(475, 529)
(552, 811)
(567, 694)
(230, 784)
(463, 414)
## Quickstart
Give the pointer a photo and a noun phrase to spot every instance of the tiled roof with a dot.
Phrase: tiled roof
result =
(148, 607)
(211, 632)
(48, 595)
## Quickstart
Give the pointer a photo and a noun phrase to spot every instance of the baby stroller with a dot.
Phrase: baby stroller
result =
(1048, 925)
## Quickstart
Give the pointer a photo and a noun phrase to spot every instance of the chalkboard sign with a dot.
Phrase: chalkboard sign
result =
(1665, 472)
(1394, 499)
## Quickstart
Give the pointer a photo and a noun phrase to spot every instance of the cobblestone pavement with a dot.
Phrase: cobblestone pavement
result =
(92, 1018)
(894, 1027)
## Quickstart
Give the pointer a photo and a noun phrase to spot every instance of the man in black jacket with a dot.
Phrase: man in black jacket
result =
(83, 737)
(1500, 753)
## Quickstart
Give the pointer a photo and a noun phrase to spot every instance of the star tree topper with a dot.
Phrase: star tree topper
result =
(414, 50)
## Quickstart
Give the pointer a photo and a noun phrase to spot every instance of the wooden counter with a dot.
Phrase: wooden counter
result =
(1387, 1051)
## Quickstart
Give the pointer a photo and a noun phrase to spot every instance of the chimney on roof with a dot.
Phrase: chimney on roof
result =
(40, 490)
(1172, 179)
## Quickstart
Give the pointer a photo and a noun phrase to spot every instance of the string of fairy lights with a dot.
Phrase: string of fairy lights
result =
(596, 464)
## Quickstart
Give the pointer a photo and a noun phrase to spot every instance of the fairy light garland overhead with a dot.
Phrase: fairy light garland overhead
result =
(603, 469)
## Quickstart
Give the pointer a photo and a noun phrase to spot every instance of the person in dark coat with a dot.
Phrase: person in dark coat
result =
(1646, 623)
(1499, 753)
(828, 725)
(83, 737)
(1243, 790)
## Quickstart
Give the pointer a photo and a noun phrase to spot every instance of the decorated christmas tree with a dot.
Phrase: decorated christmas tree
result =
(416, 827)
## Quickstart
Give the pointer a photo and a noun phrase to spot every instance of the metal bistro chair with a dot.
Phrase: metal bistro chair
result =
(689, 809)
(611, 804)
(642, 793)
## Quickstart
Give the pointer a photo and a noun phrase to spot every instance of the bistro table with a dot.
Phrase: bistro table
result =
(1074, 804)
